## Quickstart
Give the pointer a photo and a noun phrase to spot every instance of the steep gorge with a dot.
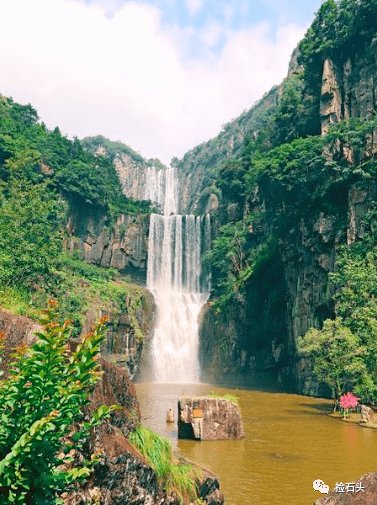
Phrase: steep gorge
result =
(255, 337)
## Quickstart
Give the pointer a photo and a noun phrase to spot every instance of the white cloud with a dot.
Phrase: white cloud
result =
(194, 6)
(126, 79)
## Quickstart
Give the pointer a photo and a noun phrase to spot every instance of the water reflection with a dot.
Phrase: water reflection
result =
(289, 442)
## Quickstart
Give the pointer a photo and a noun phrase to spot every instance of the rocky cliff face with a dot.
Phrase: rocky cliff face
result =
(122, 474)
(130, 329)
(257, 336)
(124, 246)
(18, 330)
(349, 89)
(194, 169)
(132, 176)
(255, 342)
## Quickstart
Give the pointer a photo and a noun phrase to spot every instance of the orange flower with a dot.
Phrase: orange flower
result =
(67, 323)
(88, 336)
(104, 319)
(54, 324)
(21, 349)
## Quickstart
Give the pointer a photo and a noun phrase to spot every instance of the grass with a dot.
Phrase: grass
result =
(228, 396)
(79, 288)
(175, 476)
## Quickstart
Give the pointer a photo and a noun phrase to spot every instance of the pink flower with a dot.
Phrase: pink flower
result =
(348, 401)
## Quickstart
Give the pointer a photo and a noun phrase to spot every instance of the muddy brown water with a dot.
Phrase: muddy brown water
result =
(289, 442)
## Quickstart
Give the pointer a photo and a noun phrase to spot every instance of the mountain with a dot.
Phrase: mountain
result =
(287, 194)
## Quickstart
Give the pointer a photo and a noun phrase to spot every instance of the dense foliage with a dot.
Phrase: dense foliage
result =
(355, 281)
(299, 176)
(285, 157)
(30, 230)
(112, 149)
(338, 357)
(43, 155)
(42, 172)
(40, 402)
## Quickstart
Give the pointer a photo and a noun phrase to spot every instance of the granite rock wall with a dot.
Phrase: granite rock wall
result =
(257, 336)
(123, 246)
(206, 418)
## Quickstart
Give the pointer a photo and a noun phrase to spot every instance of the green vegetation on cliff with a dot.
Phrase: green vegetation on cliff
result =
(344, 351)
(338, 357)
(112, 149)
(302, 176)
(341, 29)
(41, 174)
(272, 193)
(81, 289)
(43, 155)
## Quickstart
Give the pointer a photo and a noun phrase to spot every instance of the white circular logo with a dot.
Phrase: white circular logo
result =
(319, 485)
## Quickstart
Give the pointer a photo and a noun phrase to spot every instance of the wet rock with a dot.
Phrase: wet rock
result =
(366, 414)
(131, 332)
(170, 416)
(115, 388)
(209, 489)
(205, 418)
(123, 476)
(123, 246)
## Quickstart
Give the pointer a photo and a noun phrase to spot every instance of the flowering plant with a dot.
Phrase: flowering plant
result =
(348, 401)
(41, 404)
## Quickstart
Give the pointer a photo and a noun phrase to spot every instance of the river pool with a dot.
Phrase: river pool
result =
(289, 442)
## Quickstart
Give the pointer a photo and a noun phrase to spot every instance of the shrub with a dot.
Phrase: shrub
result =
(43, 397)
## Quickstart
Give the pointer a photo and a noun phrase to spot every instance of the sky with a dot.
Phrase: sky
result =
(159, 75)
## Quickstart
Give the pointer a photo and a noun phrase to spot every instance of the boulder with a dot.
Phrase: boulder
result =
(366, 414)
(18, 330)
(203, 418)
(170, 416)
(367, 494)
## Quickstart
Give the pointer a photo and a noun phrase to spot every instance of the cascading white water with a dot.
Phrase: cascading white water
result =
(175, 277)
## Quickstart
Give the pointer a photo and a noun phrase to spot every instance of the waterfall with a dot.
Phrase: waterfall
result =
(175, 277)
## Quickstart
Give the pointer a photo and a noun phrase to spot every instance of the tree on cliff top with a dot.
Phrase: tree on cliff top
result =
(30, 220)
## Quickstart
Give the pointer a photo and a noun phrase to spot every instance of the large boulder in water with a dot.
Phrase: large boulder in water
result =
(204, 418)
